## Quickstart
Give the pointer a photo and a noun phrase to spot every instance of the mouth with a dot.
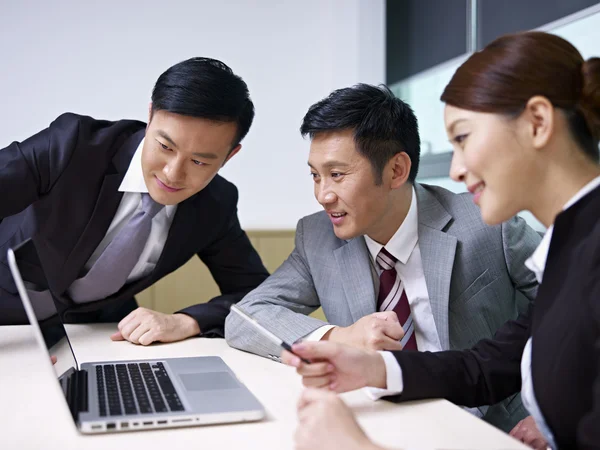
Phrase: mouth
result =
(336, 217)
(476, 190)
(166, 187)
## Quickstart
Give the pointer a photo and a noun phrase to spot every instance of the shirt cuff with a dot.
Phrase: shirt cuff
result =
(393, 376)
(318, 334)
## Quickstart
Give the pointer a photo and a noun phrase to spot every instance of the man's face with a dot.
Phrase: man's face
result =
(182, 154)
(345, 186)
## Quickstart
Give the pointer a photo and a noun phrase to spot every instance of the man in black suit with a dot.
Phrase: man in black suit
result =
(80, 190)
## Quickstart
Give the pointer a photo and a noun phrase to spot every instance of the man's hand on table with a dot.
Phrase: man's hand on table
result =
(144, 326)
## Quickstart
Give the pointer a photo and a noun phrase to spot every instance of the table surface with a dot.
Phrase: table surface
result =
(34, 415)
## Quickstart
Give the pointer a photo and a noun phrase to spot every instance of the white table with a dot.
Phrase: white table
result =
(33, 414)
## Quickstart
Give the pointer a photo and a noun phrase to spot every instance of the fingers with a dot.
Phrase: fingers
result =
(516, 432)
(393, 330)
(320, 350)
(290, 359)
(53, 359)
(526, 431)
(309, 396)
(117, 336)
(385, 343)
(390, 316)
(127, 329)
(131, 316)
(148, 337)
(136, 334)
(314, 375)
(384, 336)
(317, 375)
(320, 382)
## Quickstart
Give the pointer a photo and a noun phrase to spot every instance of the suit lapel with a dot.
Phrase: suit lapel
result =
(106, 205)
(104, 211)
(437, 254)
(355, 273)
(179, 237)
(187, 229)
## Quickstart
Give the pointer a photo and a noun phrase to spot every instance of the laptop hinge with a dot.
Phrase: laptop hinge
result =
(75, 388)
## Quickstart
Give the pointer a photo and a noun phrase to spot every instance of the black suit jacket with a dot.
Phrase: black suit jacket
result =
(565, 325)
(60, 188)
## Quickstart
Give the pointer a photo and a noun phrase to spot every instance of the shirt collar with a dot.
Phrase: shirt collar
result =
(537, 262)
(404, 240)
(134, 178)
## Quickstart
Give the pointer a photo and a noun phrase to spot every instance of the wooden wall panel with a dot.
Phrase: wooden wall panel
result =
(192, 283)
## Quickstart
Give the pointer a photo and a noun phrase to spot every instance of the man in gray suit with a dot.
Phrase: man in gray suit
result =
(393, 263)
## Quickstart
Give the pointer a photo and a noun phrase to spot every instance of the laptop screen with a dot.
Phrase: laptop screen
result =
(45, 310)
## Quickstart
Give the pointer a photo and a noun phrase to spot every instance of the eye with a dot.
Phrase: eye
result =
(198, 163)
(460, 138)
(336, 174)
(164, 147)
(314, 175)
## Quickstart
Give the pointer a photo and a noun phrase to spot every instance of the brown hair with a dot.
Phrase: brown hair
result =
(503, 76)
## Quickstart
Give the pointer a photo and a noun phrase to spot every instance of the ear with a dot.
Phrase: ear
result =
(539, 117)
(232, 153)
(400, 166)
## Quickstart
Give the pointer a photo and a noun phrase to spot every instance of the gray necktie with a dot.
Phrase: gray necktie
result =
(109, 273)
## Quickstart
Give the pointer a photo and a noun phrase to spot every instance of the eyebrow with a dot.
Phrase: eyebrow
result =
(206, 155)
(453, 124)
(172, 143)
(330, 164)
(167, 138)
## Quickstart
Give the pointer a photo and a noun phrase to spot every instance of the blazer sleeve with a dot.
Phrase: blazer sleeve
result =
(237, 269)
(30, 168)
(483, 375)
(519, 241)
(588, 434)
(282, 303)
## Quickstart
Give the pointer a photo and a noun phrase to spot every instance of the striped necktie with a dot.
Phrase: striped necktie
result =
(392, 297)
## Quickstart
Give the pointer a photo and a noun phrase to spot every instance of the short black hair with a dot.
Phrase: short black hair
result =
(383, 124)
(205, 88)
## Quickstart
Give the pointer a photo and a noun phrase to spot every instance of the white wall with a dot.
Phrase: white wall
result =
(102, 59)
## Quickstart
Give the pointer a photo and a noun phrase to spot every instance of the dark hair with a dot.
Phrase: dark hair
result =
(383, 124)
(205, 88)
(503, 76)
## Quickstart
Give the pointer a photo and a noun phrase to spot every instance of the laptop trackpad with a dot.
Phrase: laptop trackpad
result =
(208, 381)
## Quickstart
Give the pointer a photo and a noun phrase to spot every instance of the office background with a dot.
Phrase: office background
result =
(102, 59)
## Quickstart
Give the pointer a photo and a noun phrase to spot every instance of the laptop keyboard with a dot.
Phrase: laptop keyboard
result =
(135, 388)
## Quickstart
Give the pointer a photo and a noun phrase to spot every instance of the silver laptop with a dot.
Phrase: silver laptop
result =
(112, 396)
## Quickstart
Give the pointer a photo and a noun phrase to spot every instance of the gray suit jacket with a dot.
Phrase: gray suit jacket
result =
(475, 275)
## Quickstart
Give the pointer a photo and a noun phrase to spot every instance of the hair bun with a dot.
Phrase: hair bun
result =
(589, 102)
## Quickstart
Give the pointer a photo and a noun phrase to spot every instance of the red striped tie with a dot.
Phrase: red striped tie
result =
(393, 298)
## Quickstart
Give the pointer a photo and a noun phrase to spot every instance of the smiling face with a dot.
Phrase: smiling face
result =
(344, 184)
(492, 157)
(182, 154)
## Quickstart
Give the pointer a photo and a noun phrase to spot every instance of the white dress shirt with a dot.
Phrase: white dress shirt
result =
(133, 186)
(537, 264)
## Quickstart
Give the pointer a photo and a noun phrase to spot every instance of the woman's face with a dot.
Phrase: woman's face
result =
(491, 159)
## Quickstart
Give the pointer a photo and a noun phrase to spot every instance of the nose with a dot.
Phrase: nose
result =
(324, 195)
(174, 172)
(458, 171)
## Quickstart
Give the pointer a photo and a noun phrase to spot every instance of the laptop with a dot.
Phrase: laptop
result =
(114, 396)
